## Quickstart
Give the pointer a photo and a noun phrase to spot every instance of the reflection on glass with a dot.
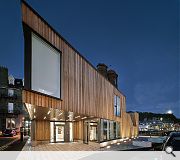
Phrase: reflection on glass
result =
(93, 131)
(10, 123)
(109, 130)
(105, 129)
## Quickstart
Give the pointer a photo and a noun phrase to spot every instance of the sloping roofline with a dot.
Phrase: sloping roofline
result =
(35, 12)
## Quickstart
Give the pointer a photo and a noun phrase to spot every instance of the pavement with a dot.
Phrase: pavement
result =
(124, 146)
(6, 141)
(73, 146)
(12, 143)
(80, 146)
(16, 145)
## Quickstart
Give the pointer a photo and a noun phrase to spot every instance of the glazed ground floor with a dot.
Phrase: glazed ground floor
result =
(54, 125)
(88, 130)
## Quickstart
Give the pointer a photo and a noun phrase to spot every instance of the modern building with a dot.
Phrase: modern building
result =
(67, 98)
(11, 106)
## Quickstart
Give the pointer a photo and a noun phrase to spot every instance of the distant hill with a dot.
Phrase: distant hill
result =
(150, 115)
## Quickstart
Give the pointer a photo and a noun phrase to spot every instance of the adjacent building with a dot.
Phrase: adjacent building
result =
(67, 98)
(11, 106)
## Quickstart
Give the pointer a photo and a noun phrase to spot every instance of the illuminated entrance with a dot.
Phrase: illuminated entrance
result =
(57, 131)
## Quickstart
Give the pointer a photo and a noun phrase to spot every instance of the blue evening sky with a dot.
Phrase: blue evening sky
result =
(139, 39)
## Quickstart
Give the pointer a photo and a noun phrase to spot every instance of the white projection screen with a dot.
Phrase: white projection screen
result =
(45, 74)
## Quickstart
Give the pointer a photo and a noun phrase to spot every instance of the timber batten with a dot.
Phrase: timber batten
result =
(83, 89)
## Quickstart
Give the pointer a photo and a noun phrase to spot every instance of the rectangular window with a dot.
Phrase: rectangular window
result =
(45, 76)
(118, 130)
(10, 92)
(117, 106)
(105, 129)
(111, 130)
(10, 107)
(10, 123)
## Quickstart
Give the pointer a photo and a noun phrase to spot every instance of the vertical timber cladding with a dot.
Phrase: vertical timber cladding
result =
(83, 89)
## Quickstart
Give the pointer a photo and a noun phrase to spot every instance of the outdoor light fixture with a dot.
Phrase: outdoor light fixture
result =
(45, 117)
(34, 116)
(77, 116)
(49, 112)
(34, 110)
(84, 118)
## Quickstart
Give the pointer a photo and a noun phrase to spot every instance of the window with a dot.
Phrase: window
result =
(111, 128)
(118, 130)
(45, 68)
(117, 103)
(11, 80)
(105, 129)
(10, 107)
(10, 92)
(10, 123)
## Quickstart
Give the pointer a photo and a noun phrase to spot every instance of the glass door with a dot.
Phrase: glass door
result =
(93, 133)
(59, 133)
(86, 133)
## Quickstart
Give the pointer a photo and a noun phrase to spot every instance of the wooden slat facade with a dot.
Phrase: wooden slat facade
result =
(84, 90)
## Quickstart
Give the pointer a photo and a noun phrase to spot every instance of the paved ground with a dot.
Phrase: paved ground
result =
(6, 140)
(123, 146)
(17, 145)
(75, 146)
(79, 146)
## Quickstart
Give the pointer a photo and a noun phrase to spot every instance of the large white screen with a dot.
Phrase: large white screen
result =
(45, 75)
